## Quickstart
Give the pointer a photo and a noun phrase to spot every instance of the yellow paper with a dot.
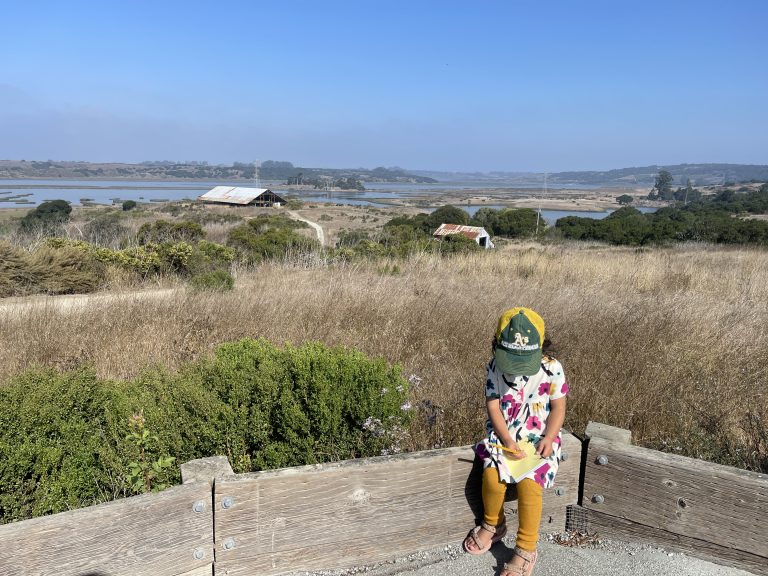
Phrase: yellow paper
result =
(519, 469)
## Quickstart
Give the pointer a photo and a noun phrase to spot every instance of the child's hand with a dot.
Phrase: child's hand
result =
(513, 451)
(544, 447)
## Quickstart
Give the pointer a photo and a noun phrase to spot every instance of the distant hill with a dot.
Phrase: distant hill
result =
(161, 170)
(700, 175)
(272, 170)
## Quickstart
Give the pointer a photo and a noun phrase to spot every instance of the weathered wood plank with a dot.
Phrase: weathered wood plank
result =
(153, 534)
(619, 435)
(606, 525)
(205, 469)
(684, 496)
(206, 570)
(341, 514)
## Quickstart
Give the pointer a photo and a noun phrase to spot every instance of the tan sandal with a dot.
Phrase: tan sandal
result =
(498, 533)
(526, 569)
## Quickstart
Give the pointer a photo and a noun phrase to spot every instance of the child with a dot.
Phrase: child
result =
(525, 398)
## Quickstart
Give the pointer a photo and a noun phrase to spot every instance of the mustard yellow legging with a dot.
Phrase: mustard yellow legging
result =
(529, 501)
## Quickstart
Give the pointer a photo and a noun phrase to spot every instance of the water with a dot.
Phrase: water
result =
(115, 191)
(30, 193)
(480, 184)
(550, 216)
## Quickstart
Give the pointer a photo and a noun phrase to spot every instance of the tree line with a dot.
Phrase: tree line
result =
(721, 219)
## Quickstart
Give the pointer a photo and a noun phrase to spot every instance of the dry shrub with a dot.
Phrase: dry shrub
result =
(669, 343)
(65, 270)
(15, 277)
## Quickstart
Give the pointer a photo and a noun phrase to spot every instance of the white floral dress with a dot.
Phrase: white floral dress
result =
(525, 404)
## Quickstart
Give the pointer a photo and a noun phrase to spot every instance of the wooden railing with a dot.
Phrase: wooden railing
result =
(362, 511)
(716, 512)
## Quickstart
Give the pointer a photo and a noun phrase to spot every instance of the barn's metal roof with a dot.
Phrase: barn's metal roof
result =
(472, 232)
(233, 194)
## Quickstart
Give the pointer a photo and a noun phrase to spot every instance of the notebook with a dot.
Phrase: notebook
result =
(519, 469)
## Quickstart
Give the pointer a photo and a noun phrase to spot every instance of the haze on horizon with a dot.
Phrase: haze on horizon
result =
(449, 85)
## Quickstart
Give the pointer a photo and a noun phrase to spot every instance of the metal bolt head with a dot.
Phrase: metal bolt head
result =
(227, 502)
(229, 543)
(560, 491)
(198, 506)
(598, 499)
(199, 553)
(602, 459)
(563, 455)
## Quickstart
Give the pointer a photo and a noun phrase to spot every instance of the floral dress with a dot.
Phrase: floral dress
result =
(525, 404)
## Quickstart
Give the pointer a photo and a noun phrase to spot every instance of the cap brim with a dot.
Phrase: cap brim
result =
(516, 365)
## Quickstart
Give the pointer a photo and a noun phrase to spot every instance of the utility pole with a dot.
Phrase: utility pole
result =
(538, 212)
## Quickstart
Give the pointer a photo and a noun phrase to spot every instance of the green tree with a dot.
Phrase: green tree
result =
(129, 205)
(625, 199)
(518, 222)
(47, 217)
(662, 188)
(445, 215)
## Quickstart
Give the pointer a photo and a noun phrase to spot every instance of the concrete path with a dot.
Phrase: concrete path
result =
(606, 558)
(315, 225)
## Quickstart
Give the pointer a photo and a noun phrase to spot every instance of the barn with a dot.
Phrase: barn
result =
(476, 233)
(238, 196)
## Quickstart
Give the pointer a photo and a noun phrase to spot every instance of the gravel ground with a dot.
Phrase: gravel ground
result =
(596, 558)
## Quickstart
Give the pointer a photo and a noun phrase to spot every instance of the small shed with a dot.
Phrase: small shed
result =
(238, 196)
(476, 233)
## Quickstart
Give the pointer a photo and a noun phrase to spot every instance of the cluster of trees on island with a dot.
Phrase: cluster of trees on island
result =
(325, 183)
(286, 172)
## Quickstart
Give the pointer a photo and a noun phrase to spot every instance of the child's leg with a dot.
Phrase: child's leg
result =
(494, 491)
(529, 502)
(480, 538)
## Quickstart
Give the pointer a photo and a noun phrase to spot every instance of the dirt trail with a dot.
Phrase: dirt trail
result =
(315, 225)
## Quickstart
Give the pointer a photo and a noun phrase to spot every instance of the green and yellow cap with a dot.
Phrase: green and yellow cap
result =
(519, 337)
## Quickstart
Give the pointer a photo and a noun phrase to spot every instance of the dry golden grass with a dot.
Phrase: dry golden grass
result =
(670, 343)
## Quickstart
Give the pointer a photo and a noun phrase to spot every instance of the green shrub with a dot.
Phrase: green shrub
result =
(65, 437)
(456, 244)
(46, 218)
(216, 281)
(162, 231)
(105, 229)
(180, 258)
(303, 405)
(269, 237)
(129, 205)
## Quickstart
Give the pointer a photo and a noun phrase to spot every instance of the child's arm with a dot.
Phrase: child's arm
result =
(554, 423)
(500, 425)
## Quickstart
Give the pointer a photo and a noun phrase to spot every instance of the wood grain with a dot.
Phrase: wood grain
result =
(683, 496)
(153, 534)
(606, 432)
(360, 511)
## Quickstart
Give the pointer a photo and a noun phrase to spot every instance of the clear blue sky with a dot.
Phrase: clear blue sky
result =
(447, 85)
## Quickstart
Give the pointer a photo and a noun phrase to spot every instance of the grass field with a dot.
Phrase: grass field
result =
(670, 343)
